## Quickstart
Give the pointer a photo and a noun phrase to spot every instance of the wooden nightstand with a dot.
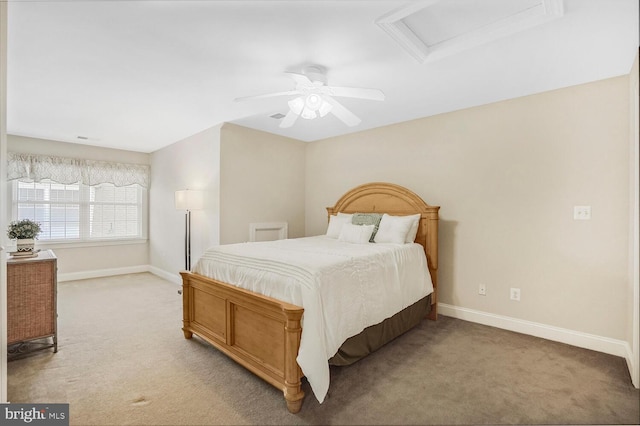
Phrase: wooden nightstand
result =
(32, 303)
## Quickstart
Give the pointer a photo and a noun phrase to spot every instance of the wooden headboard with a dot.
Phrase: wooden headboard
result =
(380, 197)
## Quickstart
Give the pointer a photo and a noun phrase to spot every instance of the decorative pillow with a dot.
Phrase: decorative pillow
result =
(356, 234)
(395, 229)
(336, 223)
(411, 235)
(367, 219)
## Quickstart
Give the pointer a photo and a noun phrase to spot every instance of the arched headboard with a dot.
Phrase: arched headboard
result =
(381, 197)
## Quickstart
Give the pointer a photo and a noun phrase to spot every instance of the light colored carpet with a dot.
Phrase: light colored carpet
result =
(123, 360)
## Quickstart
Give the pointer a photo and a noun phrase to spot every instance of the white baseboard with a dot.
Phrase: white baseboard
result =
(575, 338)
(173, 278)
(98, 273)
(632, 364)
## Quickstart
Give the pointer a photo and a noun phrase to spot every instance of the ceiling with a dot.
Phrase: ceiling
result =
(141, 75)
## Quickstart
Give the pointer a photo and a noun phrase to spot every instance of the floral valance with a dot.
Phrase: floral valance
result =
(33, 167)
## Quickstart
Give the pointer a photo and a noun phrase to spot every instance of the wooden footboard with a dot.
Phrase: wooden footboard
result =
(260, 333)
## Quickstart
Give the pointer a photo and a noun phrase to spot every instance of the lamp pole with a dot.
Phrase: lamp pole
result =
(187, 240)
(188, 200)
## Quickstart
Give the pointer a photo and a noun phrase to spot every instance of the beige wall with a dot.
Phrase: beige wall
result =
(247, 176)
(76, 261)
(507, 176)
(633, 304)
(3, 199)
(261, 180)
(193, 163)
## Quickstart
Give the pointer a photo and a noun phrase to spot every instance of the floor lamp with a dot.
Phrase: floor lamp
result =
(188, 200)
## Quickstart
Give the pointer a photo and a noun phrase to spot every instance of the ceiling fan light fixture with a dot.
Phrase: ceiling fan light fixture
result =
(296, 105)
(325, 108)
(314, 98)
(310, 107)
(313, 101)
(308, 114)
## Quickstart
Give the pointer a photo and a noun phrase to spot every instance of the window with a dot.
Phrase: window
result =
(81, 213)
(115, 211)
(78, 200)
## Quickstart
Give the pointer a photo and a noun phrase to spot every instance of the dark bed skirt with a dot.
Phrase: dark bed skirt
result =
(373, 338)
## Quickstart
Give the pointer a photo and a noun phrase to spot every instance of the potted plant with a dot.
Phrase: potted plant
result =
(25, 231)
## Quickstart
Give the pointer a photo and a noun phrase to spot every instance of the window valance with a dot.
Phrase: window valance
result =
(34, 168)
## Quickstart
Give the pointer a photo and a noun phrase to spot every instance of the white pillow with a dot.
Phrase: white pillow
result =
(411, 235)
(335, 224)
(395, 229)
(356, 234)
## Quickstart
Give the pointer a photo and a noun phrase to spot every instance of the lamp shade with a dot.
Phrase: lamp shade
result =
(188, 199)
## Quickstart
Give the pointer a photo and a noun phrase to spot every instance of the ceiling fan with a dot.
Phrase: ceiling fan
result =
(314, 98)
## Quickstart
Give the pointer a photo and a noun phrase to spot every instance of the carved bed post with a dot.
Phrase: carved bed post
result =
(293, 393)
(432, 244)
(186, 298)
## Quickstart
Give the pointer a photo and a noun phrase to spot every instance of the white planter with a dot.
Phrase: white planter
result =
(25, 244)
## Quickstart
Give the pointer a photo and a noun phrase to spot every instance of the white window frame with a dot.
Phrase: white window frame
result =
(85, 240)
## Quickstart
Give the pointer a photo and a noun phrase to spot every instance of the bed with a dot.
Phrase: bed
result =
(264, 333)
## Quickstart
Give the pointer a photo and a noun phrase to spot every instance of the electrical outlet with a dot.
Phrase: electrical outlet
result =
(482, 290)
(515, 294)
(581, 212)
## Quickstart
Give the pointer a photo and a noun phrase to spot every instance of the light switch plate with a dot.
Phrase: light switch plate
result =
(581, 212)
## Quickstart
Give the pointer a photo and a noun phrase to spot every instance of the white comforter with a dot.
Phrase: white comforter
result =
(342, 287)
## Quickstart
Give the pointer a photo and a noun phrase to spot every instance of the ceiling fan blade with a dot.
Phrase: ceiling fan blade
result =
(288, 120)
(355, 92)
(299, 78)
(349, 118)
(268, 95)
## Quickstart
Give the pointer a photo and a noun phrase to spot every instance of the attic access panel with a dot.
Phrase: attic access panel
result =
(433, 29)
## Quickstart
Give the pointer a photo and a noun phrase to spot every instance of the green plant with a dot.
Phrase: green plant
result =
(22, 229)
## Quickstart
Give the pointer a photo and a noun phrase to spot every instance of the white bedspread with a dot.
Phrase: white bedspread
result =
(342, 287)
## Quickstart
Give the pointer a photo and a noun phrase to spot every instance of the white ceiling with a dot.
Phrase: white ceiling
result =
(141, 75)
